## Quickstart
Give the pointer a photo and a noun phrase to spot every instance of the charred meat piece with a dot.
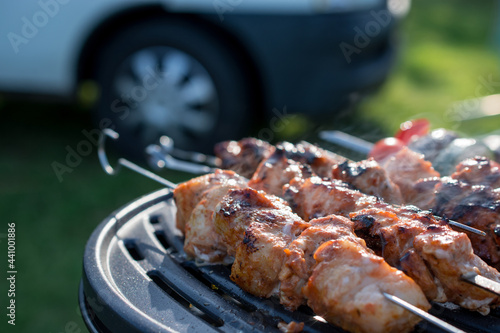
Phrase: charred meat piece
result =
(423, 193)
(405, 169)
(188, 194)
(368, 177)
(432, 254)
(201, 240)
(449, 255)
(276, 171)
(477, 206)
(257, 228)
(346, 289)
(432, 144)
(196, 200)
(243, 156)
(316, 197)
(392, 238)
(478, 171)
(320, 160)
(300, 262)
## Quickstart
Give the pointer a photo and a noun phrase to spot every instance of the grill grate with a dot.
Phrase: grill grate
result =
(136, 278)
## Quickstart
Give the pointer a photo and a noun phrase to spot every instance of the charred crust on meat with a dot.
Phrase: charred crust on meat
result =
(363, 221)
(307, 170)
(249, 241)
(351, 169)
(383, 243)
(402, 229)
(299, 153)
(433, 228)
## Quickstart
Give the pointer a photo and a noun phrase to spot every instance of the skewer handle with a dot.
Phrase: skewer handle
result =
(422, 314)
(161, 159)
(123, 162)
(167, 147)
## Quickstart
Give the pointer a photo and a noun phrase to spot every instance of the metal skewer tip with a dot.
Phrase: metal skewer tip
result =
(467, 228)
(482, 282)
(422, 314)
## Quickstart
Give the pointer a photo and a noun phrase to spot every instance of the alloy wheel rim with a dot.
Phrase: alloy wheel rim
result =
(164, 91)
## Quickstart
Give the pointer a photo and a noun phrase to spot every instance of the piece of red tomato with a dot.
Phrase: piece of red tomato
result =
(411, 129)
(385, 148)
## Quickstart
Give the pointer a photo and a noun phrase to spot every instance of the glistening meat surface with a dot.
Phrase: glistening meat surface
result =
(392, 232)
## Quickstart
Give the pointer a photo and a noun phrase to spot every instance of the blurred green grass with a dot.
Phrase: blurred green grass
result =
(446, 46)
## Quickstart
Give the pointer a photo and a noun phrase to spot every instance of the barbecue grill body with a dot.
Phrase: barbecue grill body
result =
(136, 278)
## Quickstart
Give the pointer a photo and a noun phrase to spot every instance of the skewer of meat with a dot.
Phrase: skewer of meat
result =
(474, 180)
(217, 182)
(406, 178)
(257, 228)
(367, 175)
(195, 201)
(345, 280)
(469, 196)
(426, 249)
(246, 155)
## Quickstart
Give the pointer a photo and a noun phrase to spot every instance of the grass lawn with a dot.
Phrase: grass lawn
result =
(446, 48)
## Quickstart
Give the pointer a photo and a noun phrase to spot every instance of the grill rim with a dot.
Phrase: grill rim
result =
(97, 287)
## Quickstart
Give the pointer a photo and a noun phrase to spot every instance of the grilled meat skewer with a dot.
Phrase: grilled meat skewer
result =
(276, 171)
(408, 178)
(406, 237)
(257, 229)
(346, 281)
(222, 181)
(468, 196)
(244, 156)
(196, 200)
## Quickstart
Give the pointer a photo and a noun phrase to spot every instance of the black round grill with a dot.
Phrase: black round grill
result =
(136, 278)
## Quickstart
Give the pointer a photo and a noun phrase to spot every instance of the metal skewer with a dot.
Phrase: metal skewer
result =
(168, 148)
(482, 282)
(160, 159)
(464, 227)
(123, 162)
(422, 314)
